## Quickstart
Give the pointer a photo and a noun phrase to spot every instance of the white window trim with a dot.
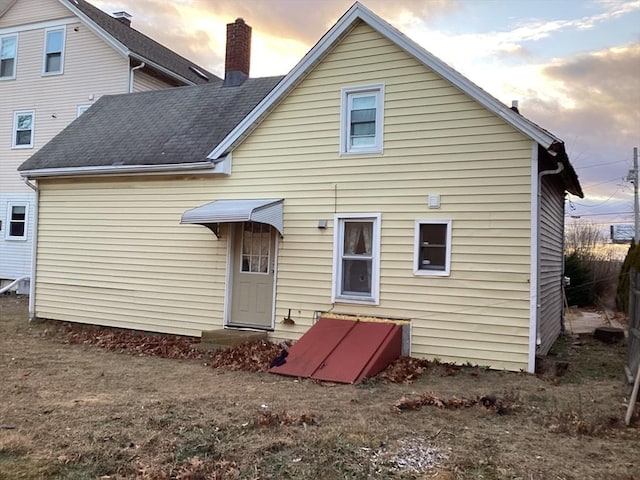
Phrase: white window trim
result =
(15, 128)
(44, 50)
(15, 58)
(416, 251)
(336, 280)
(81, 109)
(345, 149)
(7, 232)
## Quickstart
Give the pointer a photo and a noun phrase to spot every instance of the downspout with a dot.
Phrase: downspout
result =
(142, 65)
(34, 249)
(555, 171)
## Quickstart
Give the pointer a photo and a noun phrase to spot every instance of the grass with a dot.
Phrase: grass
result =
(82, 412)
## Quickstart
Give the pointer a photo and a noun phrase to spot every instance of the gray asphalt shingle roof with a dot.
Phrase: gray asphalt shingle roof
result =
(172, 126)
(142, 45)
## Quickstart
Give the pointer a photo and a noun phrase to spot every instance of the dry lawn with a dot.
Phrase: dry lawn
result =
(77, 411)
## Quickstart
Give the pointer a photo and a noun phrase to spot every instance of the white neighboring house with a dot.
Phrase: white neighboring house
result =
(57, 57)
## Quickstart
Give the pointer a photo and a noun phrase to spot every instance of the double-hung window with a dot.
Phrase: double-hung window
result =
(8, 55)
(53, 60)
(17, 220)
(362, 119)
(432, 254)
(356, 269)
(23, 129)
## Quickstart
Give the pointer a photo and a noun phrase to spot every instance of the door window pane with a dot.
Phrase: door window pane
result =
(256, 247)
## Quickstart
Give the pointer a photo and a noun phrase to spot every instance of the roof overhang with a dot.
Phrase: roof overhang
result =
(211, 215)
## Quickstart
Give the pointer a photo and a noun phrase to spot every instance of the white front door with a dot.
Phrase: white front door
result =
(253, 266)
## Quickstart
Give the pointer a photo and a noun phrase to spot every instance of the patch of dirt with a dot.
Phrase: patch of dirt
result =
(149, 408)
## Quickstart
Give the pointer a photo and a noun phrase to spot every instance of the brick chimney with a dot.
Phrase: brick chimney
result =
(123, 17)
(238, 56)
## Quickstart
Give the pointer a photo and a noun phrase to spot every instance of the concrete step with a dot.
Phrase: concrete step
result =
(226, 337)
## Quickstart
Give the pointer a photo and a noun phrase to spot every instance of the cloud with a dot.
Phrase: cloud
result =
(593, 107)
(283, 31)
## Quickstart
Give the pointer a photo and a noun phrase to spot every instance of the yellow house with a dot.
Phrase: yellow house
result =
(372, 180)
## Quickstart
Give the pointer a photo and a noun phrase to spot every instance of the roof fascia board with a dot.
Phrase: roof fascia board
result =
(205, 166)
(95, 28)
(460, 81)
(160, 68)
(7, 7)
(339, 30)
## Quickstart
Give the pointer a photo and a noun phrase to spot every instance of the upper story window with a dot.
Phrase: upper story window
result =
(362, 119)
(356, 269)
(17, 220)
(23, 129)
(432, 254)
(8, 55)
(53, 51)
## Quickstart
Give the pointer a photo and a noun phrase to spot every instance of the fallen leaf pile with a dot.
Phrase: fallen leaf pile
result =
(404, 370)
(501, 407)
(143, 344)
(271, 419)
(248, 356)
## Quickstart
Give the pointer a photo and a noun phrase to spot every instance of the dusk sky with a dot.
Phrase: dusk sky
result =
(573, 65)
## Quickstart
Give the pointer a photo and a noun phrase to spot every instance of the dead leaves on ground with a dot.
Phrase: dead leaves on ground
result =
(253, 356)
(143, 344)
(274, 419)
(500, 406)
(248, 356)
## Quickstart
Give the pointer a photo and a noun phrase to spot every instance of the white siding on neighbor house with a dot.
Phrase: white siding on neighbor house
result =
(111, 251)
(15, 255)
(551, 262)
(33, 11)
(91, 69)
(143, 82)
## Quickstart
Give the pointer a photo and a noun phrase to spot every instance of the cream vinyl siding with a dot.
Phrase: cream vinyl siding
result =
(436, 140)
(33, 11)
(111, 252)
(551, 262)
(114, 253)
(91, 69)
(143, 82)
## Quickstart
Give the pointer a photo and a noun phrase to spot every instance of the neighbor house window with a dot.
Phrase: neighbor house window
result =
(8, 55)
(432, 247)
(362, 119)
(53, 50)
(23, 129)
(17, 221)
(356, 269)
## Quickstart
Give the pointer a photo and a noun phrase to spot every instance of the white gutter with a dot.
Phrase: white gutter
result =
(536, 196)
(162, 69)
(133, 69)
(34, 251)
(117, 169)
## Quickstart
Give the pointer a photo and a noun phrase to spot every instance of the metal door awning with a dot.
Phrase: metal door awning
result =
(211, 215)
(343, 351)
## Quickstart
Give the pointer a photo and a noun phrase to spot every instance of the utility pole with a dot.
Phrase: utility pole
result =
(636, 209)
(632, 177)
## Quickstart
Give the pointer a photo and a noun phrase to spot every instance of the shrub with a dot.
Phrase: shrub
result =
(580, 291)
